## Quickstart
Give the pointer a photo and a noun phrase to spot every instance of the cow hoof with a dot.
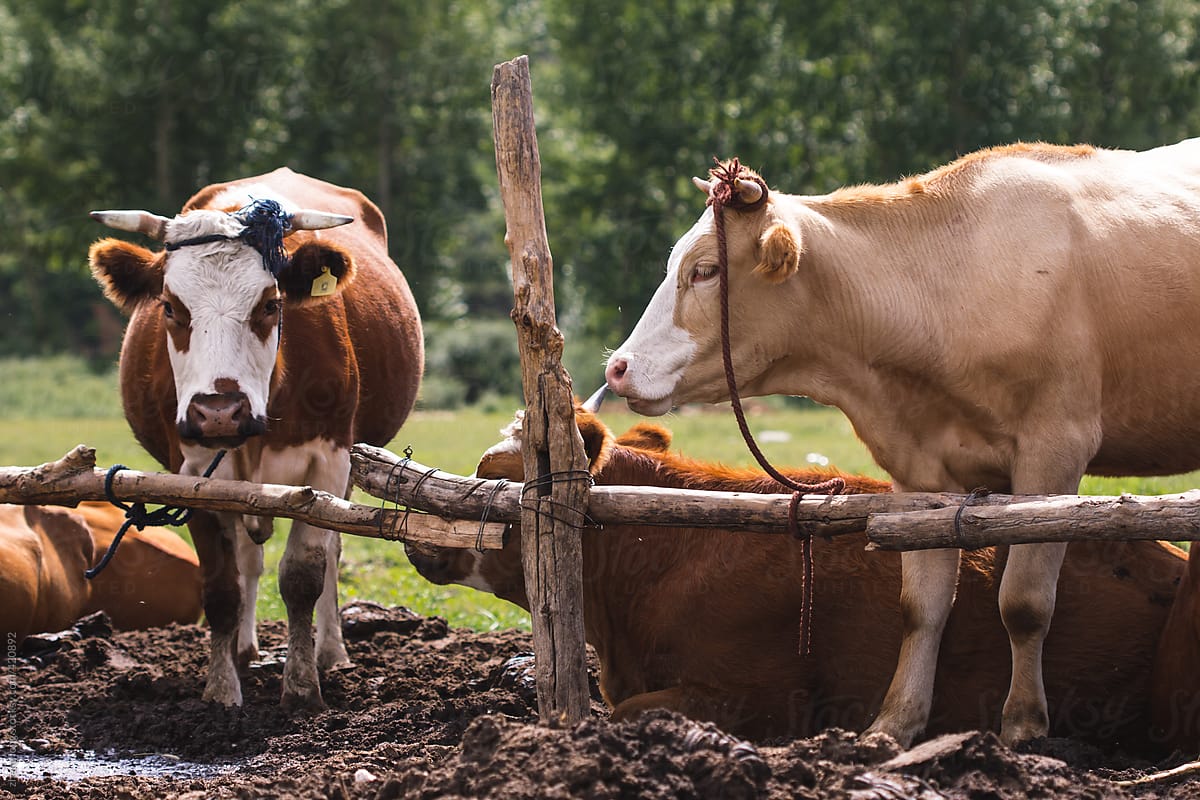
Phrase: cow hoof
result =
(904, 738)
(1015, 735)
(302, 703)
(1023, 722)
(244, 659)
(225, 695)
(333, 659)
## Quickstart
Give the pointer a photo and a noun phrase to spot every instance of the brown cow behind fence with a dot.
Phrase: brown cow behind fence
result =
(707, 623)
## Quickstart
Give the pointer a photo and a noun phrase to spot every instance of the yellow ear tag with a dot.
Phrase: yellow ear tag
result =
(324, 284)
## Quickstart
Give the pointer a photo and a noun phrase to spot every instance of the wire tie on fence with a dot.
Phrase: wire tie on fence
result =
(548, 479)
(137, 515)
(500, 484)
(392, 486)
(408, 506)
(975, 494)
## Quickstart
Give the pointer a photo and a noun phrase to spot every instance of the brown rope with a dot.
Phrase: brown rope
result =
(724, 193)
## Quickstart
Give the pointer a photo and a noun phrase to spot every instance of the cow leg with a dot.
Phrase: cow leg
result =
(308, 575)
(1027, 595)
(726, 710)
(331, 648)
(215, 548)
(332, 474)
(1029, 587)
(301, 579)
(929, 579)
(250, 569)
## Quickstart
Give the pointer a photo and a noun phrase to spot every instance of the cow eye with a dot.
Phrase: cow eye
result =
(271, 307)
(168, 310)
(704, 272)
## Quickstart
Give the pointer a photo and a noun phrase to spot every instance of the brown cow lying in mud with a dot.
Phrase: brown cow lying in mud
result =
(707, 624)
(44, 551)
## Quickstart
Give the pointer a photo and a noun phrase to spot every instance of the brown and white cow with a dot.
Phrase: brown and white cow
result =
(707, 622)
(287, 357)
(1012, 320)
(43, 554)
(154, 582)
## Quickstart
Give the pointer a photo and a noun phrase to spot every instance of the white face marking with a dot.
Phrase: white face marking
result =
(658, 350)
(474, 578)
(219, 284)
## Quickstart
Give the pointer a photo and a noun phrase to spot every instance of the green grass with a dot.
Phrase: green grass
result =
(68, 405)
(57, 387)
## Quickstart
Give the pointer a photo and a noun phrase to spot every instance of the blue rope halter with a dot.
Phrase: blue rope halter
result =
(265, 224)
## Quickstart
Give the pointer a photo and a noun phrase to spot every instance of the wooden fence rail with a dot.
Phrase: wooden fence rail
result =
(456, 504)
(905, 521)
(74, 478)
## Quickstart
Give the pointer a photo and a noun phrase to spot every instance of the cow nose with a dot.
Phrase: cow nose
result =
(615, 372)
(431, 563)
(223, 417)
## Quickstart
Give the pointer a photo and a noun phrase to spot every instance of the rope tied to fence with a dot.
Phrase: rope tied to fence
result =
(725, 192)
(136, 514)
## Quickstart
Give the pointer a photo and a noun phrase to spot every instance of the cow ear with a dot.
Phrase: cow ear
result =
(314, 272)
(646, 436)
(129, 274)
(779, 253)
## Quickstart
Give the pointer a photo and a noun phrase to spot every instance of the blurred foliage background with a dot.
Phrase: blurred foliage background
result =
(131, 104)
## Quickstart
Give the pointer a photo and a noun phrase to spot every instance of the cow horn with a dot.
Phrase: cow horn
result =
(307, 220)
(702, 185)
(594, 402)
(152, 225)
(749, 192)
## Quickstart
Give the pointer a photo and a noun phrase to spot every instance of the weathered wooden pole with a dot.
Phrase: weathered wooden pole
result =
(556, 478)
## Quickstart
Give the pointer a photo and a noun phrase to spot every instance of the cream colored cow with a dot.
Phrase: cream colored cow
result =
(1013, 320)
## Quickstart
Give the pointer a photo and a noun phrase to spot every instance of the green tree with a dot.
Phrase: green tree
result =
(821, 94)
(395, 102)
(105, 118)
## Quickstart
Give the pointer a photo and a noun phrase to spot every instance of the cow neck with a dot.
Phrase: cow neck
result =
(724, 192)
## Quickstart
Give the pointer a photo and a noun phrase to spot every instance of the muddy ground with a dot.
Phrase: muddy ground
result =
(429, 712)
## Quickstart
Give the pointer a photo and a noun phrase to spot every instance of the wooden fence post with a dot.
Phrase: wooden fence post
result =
(556, 475)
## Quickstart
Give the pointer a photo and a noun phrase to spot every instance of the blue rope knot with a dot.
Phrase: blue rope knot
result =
(266, 223)
(137, 515)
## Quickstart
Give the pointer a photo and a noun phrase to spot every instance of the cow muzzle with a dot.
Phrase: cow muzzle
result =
(437, 564)
(220, 420)
(619, 379)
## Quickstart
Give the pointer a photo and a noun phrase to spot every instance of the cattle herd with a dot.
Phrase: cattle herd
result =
(1012, 321)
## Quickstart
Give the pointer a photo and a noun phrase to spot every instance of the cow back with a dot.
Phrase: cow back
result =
(154, 582)
(43, 554)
